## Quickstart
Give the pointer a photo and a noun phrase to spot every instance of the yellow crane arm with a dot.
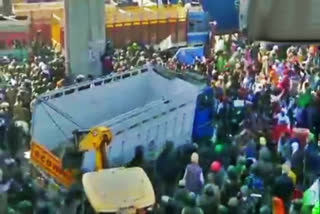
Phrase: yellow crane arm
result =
(97, 139)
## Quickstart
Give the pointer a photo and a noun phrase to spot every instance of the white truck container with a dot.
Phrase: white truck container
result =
(139, 106)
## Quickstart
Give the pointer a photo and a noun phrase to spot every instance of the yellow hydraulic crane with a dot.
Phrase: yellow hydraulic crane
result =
(98, 139)
(130, 188)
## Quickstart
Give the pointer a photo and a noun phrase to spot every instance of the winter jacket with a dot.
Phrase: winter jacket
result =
(209, 201)
(194, 178)
(283, 187)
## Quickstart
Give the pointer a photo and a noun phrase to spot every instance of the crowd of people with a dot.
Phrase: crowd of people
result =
(135, 55)
(265, 154)
(22, 81)
(262, 158)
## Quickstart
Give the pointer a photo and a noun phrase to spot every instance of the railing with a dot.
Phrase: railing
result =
(94, 83)
(147, 110)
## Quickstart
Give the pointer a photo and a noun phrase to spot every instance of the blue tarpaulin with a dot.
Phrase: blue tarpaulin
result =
(189, 54)
(224, 13)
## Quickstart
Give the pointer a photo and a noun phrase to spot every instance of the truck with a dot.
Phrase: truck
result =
(145, 106)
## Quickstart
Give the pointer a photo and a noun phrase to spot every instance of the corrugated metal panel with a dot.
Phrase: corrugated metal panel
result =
(224, 12)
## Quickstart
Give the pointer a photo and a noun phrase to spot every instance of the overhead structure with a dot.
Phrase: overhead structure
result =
(281, 21)
(84, 36)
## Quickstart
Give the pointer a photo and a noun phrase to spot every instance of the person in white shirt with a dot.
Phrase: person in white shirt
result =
(282, 118)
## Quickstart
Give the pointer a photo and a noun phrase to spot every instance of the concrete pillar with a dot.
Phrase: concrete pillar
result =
(84, 36)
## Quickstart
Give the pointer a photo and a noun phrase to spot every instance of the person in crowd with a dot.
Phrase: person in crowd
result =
(166, 170)
(217, 173)
(208, 201)
(231, 185)
(191, 206)
(283, 189)
(178, 201)
(138, 160)
(193, 175)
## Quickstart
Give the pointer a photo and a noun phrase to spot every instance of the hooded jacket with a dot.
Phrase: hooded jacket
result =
(209, 200)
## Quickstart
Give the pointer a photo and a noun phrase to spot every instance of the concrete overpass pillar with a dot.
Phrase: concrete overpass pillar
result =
(85, 36)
